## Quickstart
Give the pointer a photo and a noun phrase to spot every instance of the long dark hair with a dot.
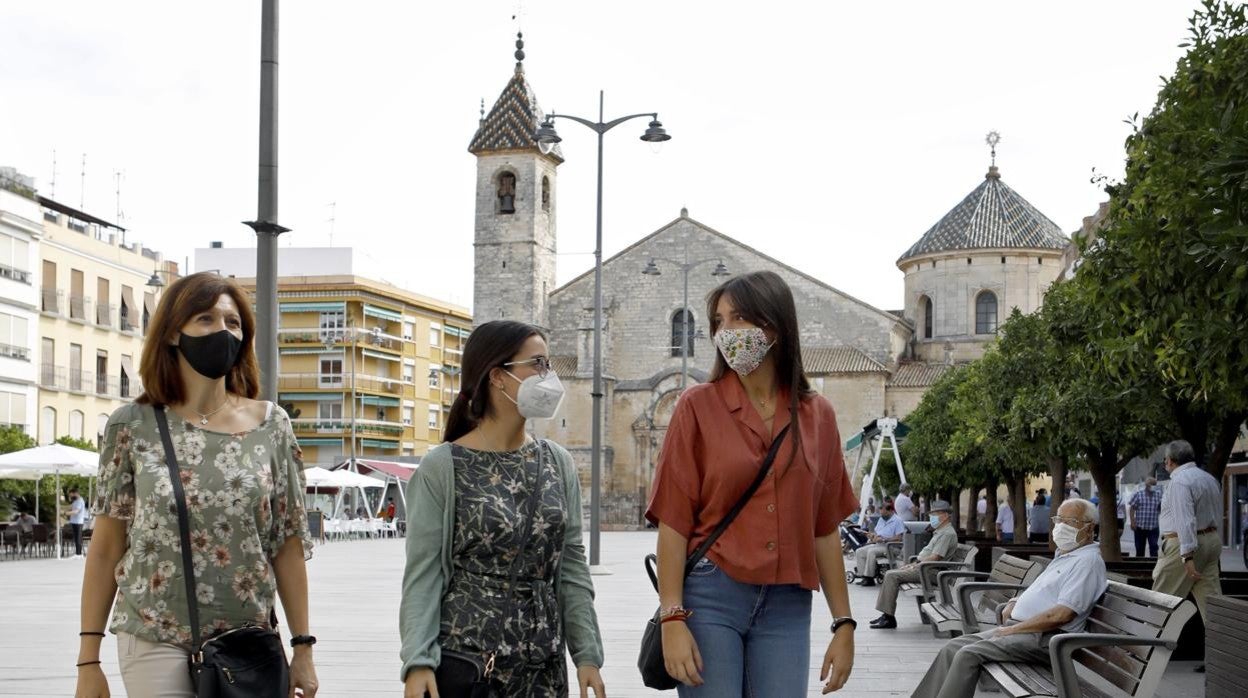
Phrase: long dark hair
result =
(765, 300)
(489, 347)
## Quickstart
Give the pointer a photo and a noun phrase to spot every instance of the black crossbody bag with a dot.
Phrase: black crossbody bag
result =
(650, 659)
(466, 675)
(246, 662)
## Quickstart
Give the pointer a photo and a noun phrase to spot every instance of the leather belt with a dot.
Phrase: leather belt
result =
(1201, 532)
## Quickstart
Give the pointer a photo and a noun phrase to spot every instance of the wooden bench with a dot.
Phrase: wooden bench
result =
(1226, 642)
(953, 612)
(963, 558)
(1127, 644)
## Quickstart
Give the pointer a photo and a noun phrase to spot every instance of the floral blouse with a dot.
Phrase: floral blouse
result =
(245, 498)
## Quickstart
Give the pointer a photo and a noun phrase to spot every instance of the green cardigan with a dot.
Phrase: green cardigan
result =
(430, 529)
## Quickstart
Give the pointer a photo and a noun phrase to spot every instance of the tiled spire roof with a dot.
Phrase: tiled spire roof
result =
(992, 216)
(513, 121)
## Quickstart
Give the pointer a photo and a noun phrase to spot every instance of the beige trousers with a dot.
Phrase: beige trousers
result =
(1170, 576)
(153, 669)
(865, 558)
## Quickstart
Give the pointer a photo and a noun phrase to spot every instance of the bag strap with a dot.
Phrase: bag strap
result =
(700, 551)
(184, 527)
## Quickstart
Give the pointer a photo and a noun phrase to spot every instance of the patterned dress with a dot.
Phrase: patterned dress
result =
(244, 497)
(478, 616)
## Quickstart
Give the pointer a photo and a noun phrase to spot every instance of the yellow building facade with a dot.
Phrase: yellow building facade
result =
(94, 306)
(367, 370)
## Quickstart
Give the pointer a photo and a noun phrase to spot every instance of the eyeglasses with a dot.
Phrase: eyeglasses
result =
(1069, 522)
(541, 363)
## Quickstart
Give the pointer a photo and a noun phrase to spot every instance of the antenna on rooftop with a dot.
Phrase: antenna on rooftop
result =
(333, 208)
(54, 173)
(82, 185)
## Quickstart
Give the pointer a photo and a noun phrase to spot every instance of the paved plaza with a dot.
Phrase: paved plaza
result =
(354, 596)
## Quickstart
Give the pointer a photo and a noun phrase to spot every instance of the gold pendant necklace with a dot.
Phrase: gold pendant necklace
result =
(203, 418)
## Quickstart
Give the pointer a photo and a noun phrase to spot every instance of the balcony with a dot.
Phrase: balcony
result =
(126, 318)
(13, 351)
(53, 300)
(79, 306)
(104, 314)
(341, 381)
(363, 427)
(21, 276)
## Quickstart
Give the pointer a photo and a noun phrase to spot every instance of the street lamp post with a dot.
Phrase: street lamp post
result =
(685, 267)
(547, 136)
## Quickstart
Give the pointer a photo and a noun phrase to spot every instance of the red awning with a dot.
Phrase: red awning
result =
(400, 471)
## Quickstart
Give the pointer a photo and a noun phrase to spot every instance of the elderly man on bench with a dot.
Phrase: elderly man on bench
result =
(1059, 600)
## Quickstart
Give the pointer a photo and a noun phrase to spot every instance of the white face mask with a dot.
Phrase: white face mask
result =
(538, 397)
(1066, 537)
(743, 349)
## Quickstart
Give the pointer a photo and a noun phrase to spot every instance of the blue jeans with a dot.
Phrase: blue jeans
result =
(754, 639)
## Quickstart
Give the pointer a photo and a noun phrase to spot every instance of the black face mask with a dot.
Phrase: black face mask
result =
(212, 355)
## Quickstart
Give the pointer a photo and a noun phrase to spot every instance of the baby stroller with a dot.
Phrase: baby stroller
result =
(852, 537)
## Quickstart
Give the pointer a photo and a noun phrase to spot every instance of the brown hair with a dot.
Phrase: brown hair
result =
(183, 300)
(765, 300)
(489, 347)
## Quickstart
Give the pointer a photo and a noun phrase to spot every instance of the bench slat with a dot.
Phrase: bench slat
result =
(1148, 614)
(1001, 674)
(1123, 660)
(1122, 624)
(1107, 671)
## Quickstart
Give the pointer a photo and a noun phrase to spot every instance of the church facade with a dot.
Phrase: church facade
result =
(869, 362)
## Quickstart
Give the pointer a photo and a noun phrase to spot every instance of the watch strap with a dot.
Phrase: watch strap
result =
(843, 620)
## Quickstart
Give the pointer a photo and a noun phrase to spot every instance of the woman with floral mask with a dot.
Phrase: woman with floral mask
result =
(496, 587)
(739, 624)
(242, 483)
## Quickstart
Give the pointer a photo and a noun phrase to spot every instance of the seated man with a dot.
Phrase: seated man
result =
(1059, 600)
(26, 529)
(944, 542)
(888, 529)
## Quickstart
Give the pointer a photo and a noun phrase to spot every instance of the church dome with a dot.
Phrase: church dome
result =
(993, 216)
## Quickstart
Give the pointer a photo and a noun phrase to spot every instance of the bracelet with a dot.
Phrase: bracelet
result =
(86, 633)
(302, 640)
(678, 617)
(674, 612)
(843, 620)
(82, 664)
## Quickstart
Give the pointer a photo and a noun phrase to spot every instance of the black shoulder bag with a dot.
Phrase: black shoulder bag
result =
(246, 662)
(650, 660)
(466, 675)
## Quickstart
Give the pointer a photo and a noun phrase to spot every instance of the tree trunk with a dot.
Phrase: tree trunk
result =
(972, 514)
(1058, 469)
(1224, 442)
(956, 507)
(1104, 468)
(1018, 497)
(990, 526)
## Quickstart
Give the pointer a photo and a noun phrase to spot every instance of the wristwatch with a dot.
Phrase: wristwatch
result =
(843, 620)
(302, 640)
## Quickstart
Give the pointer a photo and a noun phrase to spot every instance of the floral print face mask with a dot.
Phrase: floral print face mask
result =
(743, 349)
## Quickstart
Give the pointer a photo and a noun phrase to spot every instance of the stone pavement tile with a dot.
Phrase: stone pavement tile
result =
(355, 600)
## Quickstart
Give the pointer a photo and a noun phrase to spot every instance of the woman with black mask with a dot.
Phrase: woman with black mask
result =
(242, 484)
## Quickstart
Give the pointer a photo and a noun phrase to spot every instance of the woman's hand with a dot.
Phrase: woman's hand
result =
(302, 673)
(420, 681)
(838, 661)
(680, 654)
(91, 682)
(588, 677)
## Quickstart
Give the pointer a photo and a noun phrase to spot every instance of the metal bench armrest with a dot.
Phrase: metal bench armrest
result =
(927, 575)
(970, 624)
(945, 582)
(893, 551)
(1062, 649)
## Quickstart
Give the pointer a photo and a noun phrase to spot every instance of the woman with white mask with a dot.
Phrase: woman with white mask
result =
(496, 587)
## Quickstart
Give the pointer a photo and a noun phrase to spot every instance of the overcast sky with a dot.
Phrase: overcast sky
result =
(830, 135)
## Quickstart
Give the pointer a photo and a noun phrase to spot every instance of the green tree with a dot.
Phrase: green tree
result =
(84, 444)
(1169, 272)
(15, 494)
(925, 452)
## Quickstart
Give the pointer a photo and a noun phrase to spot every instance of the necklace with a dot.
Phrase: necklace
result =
(203, 418)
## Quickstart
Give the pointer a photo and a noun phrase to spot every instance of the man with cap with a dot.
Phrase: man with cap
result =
(944, 542)
(1144, 509)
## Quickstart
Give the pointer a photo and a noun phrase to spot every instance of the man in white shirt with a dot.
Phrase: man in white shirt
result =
(1059, 600)
(77, 517)
(1191, 550)
(981, 509)
(1005, 523)
(888, 529)
(904, 505)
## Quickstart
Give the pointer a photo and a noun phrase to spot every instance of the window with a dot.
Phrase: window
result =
(986, 313)
(14, 259)
(928, 311)
(47, 425)
(127, 312)
(546, 193)
(409, 415)
(435, 373)
(101, 372)
(103, 309)
(101, 426)
(435, 335)
(331, 371)
(683, 326)
(329, 410)
(507, 193)
(149, 302)
(75, 367)
(125, 375)
(13, 337)
(77, 300)
(434, 412)
(76, 419)
(13, 409)
(50, 292)
(409, 331)
(332, 325)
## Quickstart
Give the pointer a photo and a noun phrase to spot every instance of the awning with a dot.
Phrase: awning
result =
(375, 443)
(339, 307)
(871, 431)
(127, 297)
(318, 397)
(380, 401)
(127, 366)
(382, 355)
(382, 313)
(400, 471)
(149, 302)
(315, 442)
(308, 350)
(461, 333)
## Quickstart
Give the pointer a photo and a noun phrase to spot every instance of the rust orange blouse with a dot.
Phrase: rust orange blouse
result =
(713, 449)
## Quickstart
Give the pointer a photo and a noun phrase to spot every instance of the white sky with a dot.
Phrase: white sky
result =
(827, 134)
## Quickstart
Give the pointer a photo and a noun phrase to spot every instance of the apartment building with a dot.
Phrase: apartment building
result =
(20, 232)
